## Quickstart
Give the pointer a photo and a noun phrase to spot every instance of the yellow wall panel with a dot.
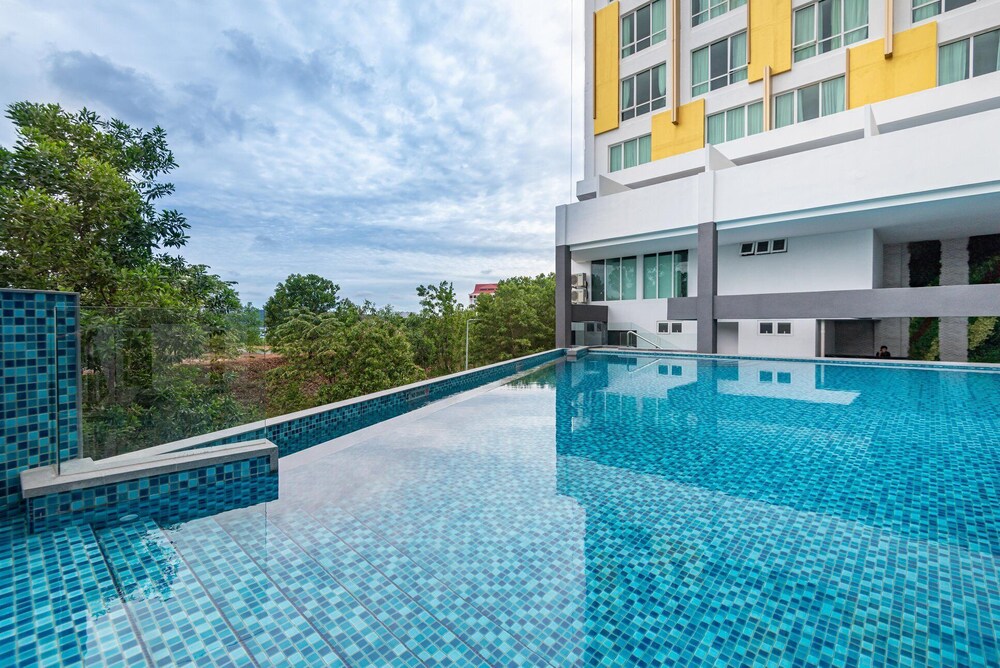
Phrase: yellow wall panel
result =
(688, 134)
(770, 37)
(607, 54)
(913, 67)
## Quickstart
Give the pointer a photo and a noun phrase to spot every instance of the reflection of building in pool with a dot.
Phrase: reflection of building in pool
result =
(751, 188)
(723, 499)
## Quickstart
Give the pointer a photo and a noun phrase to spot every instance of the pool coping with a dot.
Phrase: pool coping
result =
(861, 361)
(87, 473)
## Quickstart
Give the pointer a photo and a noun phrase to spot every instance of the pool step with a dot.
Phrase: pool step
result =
(273, 628)
(60, 603)
(177, 620)
(358, 635)
(479, 630)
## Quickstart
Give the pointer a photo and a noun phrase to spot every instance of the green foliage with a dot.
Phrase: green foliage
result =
(924, 341)
(437, 333)
(183, 402)
(519, 319)
(334, 356)
(309, 293)
(984, 259)
(984, 339)
(925, 264)
(984, 267)
(78, 199)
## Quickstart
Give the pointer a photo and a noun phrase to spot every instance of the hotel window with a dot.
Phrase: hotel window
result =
(769, 328)
(703, 10)
(719, 64)
(735, 123)
(669, 328)
(613, 280)
(644, 27)
(644, 92)
(969, 57)
(764, 247)
(829, 25)
(631, 153)
(665, 275)
(805, 104)
(924, 9)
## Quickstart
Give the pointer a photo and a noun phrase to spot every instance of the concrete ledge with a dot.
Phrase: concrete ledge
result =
(86, 473)
(933, 302)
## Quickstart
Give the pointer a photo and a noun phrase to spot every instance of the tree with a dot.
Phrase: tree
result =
(309, 293)
(78, 202)
(518, 319)
(334, 356)
(437, 332)
(79, 210)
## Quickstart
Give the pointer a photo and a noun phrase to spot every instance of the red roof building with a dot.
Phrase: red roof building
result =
(481, 289)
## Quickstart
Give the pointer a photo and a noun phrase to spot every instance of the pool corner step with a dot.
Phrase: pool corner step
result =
(177, 620)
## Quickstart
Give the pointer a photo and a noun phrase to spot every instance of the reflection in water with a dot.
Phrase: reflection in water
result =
(779, 508)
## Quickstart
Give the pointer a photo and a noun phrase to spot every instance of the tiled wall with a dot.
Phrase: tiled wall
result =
(168, 498)
(38, 348)
(293, 435)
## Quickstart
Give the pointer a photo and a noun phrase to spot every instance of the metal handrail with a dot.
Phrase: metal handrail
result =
(639, 336)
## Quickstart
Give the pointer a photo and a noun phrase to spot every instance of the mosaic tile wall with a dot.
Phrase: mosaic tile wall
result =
(38, 348)
(297, 434)
(167, 498)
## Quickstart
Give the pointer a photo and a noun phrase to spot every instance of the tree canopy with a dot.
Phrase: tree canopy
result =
(309, 293)
(79, 203)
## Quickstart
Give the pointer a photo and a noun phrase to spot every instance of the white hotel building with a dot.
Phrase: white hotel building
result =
(786, 177)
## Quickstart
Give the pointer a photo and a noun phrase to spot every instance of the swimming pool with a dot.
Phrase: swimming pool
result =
(609, 511)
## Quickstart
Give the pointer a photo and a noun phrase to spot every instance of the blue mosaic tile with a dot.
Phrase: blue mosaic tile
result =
(167, 498)
(39, 383)
(613, 511)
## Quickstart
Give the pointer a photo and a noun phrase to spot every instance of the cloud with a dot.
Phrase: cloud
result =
(90, 76)
(380, 144)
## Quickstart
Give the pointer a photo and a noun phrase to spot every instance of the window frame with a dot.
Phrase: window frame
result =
(639, 153)
(796, 92)
(620, 264)
(761, 324)
(652, 39)
(768, 249)
(941, 8)
(841, 37)
(653, 103)
(732, 75)
(725, 122)
(677, 288)
(970, 56)
(710, 12)
(669, 327)
(778, 327)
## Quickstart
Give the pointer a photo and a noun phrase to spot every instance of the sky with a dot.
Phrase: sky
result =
(381, 144)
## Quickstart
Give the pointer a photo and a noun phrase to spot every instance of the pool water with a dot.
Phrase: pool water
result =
(611, 511)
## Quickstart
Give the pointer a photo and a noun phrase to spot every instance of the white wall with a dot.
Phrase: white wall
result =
(801, 342)
(841, 261)
(729, 338)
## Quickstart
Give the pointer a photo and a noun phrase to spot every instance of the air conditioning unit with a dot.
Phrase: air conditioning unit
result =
(579, 280)
(579, 296)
